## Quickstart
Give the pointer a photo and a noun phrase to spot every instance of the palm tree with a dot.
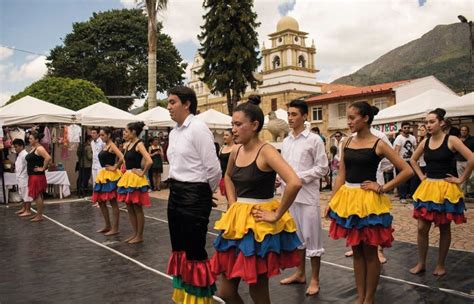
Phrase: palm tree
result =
(152, 8)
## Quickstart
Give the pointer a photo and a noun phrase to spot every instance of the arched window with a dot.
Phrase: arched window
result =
(276, 62)
(301, 61)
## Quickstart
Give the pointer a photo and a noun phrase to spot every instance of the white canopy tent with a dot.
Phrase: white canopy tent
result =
(280, 113)
(417, 107)
(156, 117)
(103, 115)
(465, 107)
(215, 119)
(31, 110)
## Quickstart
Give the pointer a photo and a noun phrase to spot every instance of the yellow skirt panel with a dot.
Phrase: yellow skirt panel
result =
(182, 297)
(131, 180)
(238, 220)
(105, 176)
(355, 201)
(437, 191)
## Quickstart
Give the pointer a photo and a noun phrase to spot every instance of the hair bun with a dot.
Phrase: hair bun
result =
(440, 112)
(141, 124)
(375, 110)
(254, 99)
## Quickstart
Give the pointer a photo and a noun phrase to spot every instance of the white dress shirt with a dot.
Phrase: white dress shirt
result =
(307, 156)
(97, 146)
(192, 155)
(20, 169)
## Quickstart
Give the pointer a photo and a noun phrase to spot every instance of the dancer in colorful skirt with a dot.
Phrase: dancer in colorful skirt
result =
(105, 188)
(193, 176)
(305, 153)
(257, 234)
(439, 198)
(359, 210)
(133, 185)
(37, 163)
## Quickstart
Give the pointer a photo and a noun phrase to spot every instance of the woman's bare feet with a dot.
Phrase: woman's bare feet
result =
(419, 268)
(129, 238)
(313, 288)
(36, 219)
(104, 230)
(439, 271)
(348, 254)
(112, 232)
(382, 257)
(294, 279)
(20, 211)
(136, 240)
(25, 213)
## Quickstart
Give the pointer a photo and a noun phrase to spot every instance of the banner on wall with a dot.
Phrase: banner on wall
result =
(391, 127)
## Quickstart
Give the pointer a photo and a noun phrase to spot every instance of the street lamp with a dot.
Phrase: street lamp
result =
(469, 23)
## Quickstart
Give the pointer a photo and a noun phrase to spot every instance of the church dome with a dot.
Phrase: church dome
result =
(287, 23)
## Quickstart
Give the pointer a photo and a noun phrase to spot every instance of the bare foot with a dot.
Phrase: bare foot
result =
(20, 211)
(112, 232)
(135, 240)
(129, 238)
(26, 213)
(382, 257)
(294, 279)
(419, 268)
(439, 271)
(348, 254)
(103, 230)
(313, 288)
(36, 219)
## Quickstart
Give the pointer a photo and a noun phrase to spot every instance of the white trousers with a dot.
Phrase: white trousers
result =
(23, 192)
(95, 171)
(308, 225)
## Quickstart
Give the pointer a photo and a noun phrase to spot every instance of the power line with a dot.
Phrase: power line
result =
(20, 50)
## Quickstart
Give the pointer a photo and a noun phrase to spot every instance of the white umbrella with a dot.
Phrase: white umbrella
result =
(156, 117)
(215, 119)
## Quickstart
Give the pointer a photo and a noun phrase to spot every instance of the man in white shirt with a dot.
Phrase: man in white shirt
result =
(405, 145)
(304, 151)
(22, 177)
(97, 145)
(194, 175)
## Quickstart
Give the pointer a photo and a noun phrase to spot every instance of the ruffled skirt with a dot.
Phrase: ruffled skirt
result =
(361, 216)
(439, 202)
(246, 249)
(37, 185)
(105, 188)
(133, 189)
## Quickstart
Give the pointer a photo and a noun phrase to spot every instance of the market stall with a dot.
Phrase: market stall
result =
(157, 117)
(215, 120)
(103, 115)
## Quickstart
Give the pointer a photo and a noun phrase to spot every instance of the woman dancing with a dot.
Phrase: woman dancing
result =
(359, 210)
(105, 188)
(257, 234)
(133, 186)
(224, 154)
(36, 163)
(439, 198)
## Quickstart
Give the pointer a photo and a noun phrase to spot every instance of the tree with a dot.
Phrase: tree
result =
(73, 94)
(152, 8)
(229, 48)
(111, 50)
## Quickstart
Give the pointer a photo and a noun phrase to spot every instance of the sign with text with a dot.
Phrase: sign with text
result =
(392, 127)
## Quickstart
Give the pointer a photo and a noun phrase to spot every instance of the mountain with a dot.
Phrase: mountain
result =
(443, 52)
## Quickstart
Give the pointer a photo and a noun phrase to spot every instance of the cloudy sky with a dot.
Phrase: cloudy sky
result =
(348, 33)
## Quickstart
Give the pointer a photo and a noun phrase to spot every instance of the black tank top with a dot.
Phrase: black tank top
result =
(251, 182)
(33, 161)
(106, 158)
(133, 159)
(361, 164)
(224, 159)
(440, 161)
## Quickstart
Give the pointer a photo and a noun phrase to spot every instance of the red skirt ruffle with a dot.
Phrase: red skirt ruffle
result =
(222, 187)
(249, 268)
(372, 235)
(103, 196)
(438, 218)
(196, 273)
(36, 185)
(135, 197)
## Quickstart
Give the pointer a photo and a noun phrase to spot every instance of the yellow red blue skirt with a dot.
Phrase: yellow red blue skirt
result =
(360, 216)
(246, 249)
(133, 189)
(439, 201)
(105, 188)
